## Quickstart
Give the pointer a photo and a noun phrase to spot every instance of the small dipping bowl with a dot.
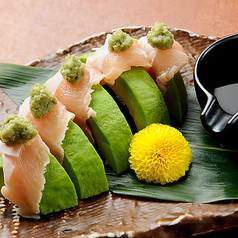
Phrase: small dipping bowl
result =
(216, 85)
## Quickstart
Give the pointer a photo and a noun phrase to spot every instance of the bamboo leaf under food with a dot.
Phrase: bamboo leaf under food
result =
(214, 169)
(16, 80)
(212, 176)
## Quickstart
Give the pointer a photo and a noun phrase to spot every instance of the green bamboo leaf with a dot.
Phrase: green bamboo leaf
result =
(214, 169)
(16, 80)
(212, 176)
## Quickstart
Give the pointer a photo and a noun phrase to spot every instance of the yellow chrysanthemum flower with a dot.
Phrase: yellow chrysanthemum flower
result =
(159, 154)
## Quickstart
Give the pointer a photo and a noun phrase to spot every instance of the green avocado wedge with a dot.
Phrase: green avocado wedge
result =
(110, 129)
(142, 96)
(176, 99)
(83, 164)
(59, 192)
(83, 58)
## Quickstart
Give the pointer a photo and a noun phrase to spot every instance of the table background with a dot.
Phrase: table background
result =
(32, 29)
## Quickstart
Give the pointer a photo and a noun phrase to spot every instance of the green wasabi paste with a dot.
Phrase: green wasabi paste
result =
(16, 130)
(72, 69)
(42, 101)
(160, 37)
(119, 41)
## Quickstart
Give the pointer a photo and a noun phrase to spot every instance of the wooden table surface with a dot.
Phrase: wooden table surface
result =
(33, 29)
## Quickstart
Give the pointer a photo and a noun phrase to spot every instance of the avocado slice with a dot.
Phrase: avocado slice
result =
(123, 108)
(83, 58)
(176, 99)
(110, 129)
(59, 192)
(142, 97)
(83, 164)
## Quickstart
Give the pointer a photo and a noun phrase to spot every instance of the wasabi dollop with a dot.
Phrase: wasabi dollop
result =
(16, 130)
(72, 69)
(42, 101)
(119, 41)
(160, 37)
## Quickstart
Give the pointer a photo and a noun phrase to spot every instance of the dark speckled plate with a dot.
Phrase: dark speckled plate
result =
(109, 215)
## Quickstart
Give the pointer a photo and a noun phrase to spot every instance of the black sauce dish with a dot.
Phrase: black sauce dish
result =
(216, 86)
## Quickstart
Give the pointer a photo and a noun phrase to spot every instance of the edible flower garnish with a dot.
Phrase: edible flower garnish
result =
(159, 154)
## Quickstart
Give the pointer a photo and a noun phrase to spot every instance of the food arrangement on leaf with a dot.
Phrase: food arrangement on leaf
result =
(72, 111)
(129, 108)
